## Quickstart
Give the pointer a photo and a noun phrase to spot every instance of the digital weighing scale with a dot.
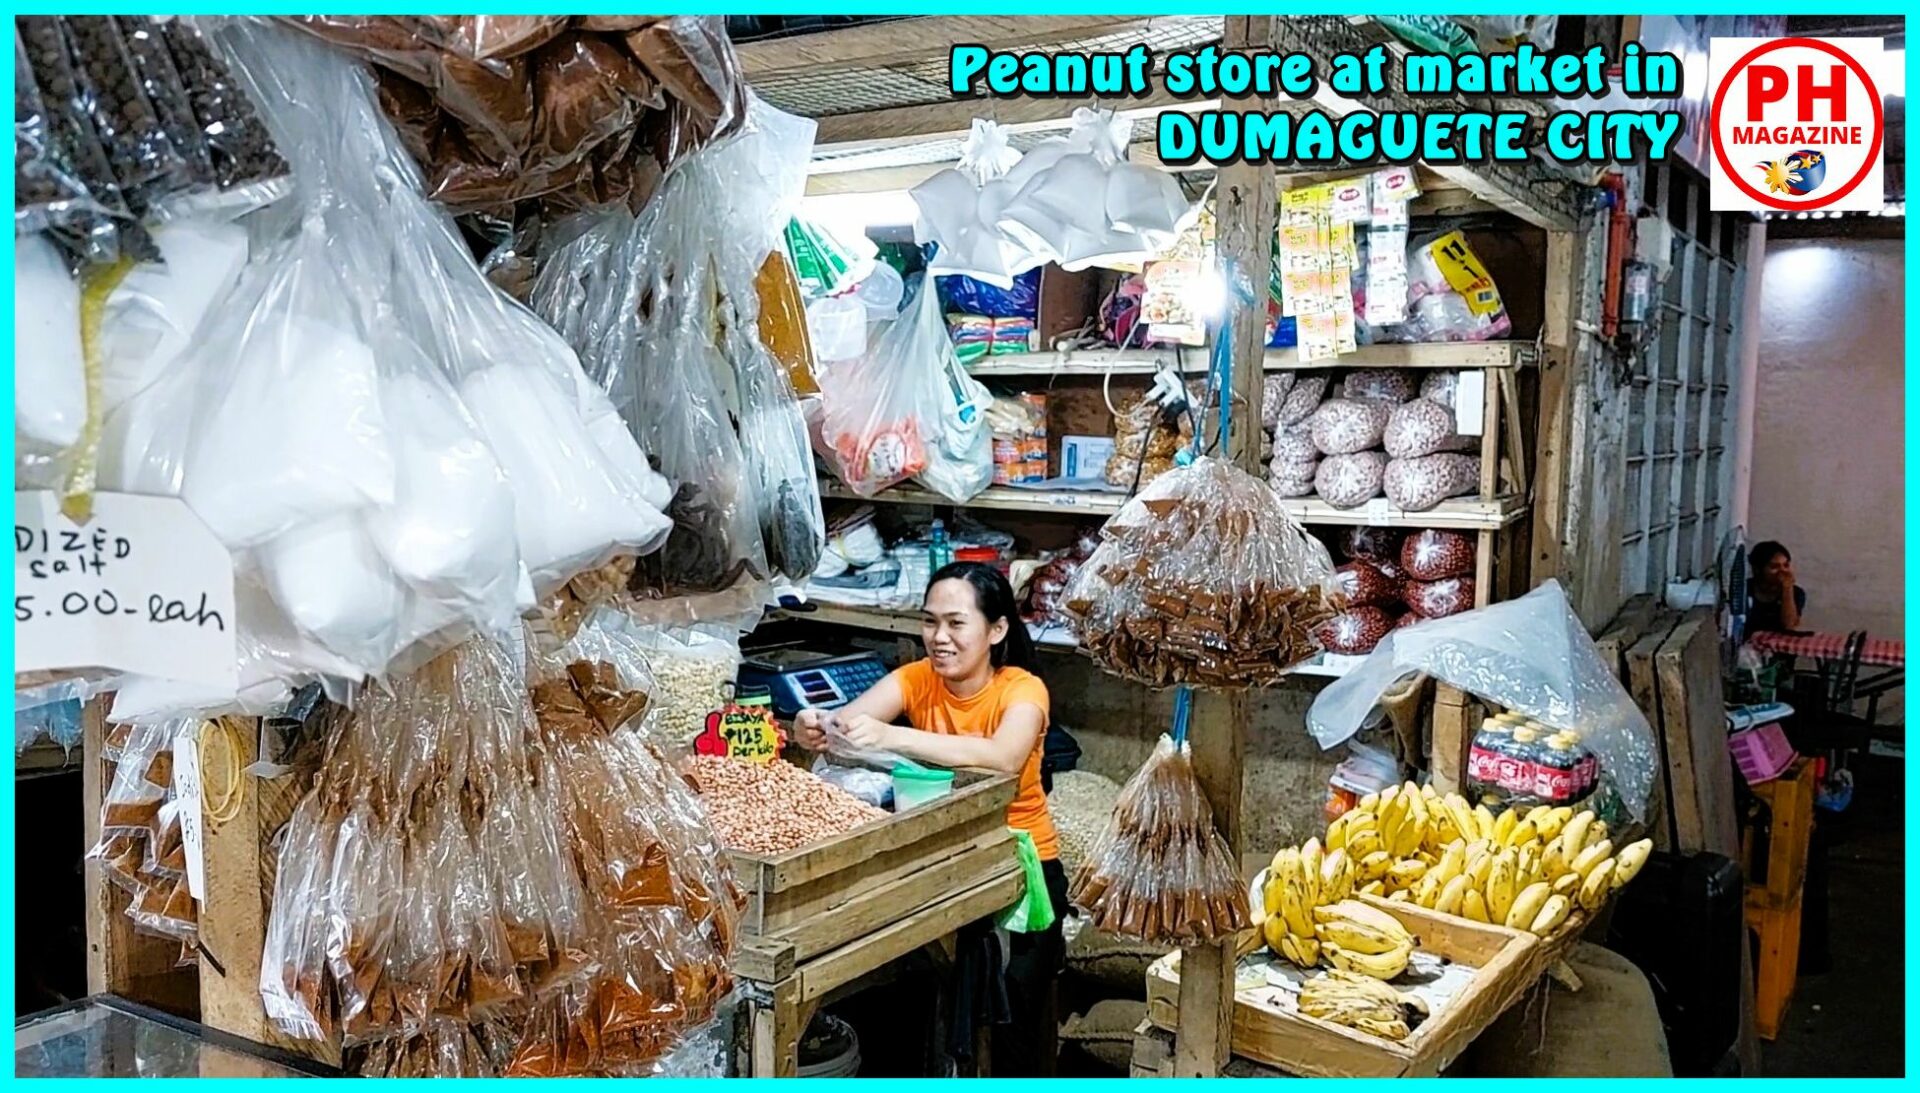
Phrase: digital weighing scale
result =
(799, 678)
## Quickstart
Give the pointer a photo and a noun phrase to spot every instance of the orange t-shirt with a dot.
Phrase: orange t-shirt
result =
(933, 708)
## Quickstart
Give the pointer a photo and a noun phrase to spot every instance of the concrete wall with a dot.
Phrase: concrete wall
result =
(1117, 723)
(1828, 426)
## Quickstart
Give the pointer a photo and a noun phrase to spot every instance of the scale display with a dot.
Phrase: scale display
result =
(798, 679)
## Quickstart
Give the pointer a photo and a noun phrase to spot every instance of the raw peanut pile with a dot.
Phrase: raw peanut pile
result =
(771, 808)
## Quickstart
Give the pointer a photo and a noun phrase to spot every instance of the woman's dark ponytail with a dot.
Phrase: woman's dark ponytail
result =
(995, 597)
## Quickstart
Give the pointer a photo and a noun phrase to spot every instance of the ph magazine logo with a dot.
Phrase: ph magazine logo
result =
(1797, 124)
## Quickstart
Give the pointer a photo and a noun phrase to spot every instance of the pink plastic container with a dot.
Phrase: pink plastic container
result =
(1761, 752)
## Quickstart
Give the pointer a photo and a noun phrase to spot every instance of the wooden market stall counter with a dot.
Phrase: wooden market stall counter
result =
(822, 917)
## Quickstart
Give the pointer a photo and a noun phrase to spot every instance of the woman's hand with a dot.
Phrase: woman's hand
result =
(863, 731)
(808, 729)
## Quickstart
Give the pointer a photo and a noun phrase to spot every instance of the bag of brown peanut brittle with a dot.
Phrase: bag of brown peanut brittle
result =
(423, 878)
(1161, 873)
(662, 907)
(1203, 579)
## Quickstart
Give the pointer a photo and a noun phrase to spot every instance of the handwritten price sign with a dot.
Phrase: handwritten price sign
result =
(741, 732)
(143, 587)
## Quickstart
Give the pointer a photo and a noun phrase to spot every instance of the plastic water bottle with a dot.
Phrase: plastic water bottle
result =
(939, 550)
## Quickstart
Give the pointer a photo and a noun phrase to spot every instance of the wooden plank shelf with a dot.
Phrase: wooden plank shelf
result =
(893, 620)
(1460, 514)
(896, 621)
(1120, 362)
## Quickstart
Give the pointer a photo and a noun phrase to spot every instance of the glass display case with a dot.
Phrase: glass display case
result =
(109, 1037)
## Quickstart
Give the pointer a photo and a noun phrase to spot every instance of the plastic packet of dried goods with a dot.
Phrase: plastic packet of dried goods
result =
(588, 91)
(690, 668)
(1365, 585)
(146, 164)
(1161, 873)
(63, 180)
(492, 100)
(1343, 426)
(293, 960)
(1422, 427)
(693, 59)
(1300, 403)
(1274, 389)
(142, 779)
(166, 92)
(1394, 385)
(1355, 631)
(1422, 482)
(239, 148)
(1440, 387)
(1349, 481)
(1531, 655)
(1203, 578)
(1438, 599)
(1432, 554)
(1379, 545)
(480, 37)
(49, 177)
(1292, 480)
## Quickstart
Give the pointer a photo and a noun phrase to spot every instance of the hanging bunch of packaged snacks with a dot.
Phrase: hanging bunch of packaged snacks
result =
(142, 847)
(567, 111)
(487, 879)
(661, 906)
(1203, 579)
(1161, 873)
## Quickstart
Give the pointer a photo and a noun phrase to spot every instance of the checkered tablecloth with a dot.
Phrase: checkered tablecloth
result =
(1880, 652)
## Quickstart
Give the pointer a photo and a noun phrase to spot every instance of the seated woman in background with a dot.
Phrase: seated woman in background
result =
(1774, 600)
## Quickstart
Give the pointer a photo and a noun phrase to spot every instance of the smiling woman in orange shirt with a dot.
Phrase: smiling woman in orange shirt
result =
(974, 701)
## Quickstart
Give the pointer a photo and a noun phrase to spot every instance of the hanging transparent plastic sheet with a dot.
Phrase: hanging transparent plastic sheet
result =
(1531, 655)
(662, 305)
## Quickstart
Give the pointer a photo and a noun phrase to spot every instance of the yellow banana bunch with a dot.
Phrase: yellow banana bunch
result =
(1361, 1002)
(1532, 869)
(1298, 882)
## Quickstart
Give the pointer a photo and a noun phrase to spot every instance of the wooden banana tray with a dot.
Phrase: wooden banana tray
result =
(1266, 1030)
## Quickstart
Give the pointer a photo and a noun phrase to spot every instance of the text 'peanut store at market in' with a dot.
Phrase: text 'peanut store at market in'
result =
(959, 546)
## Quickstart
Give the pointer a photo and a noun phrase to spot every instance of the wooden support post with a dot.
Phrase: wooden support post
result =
(1218, 735)
(1490, 432)
(1454, 719)
(1244, 208)
(241, 863)
(1559, 360)
(776, 1032)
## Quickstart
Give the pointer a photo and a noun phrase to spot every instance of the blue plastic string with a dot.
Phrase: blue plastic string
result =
(1182, 713)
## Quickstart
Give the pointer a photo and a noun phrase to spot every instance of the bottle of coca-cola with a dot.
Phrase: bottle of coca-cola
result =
(1490, 763)
(1586, 764)
(1527, 750)
(1558, 773)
